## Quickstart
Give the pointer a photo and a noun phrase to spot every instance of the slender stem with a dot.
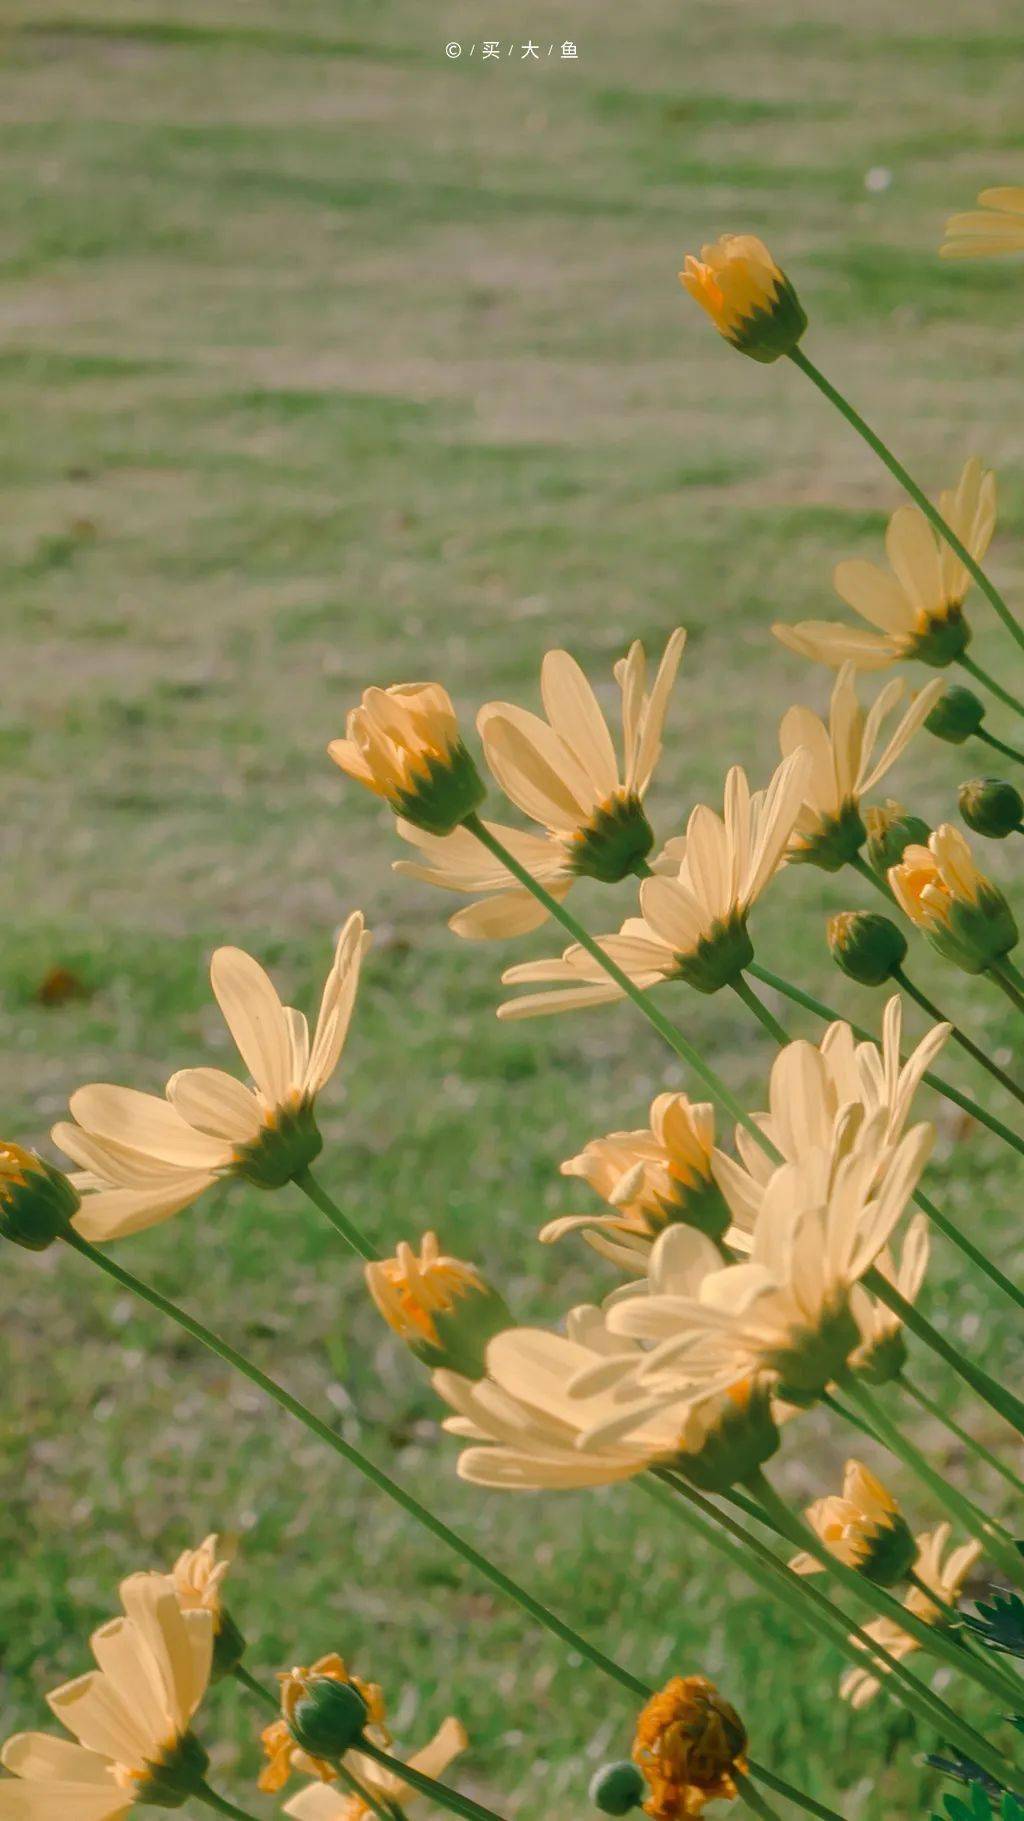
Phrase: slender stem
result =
(955, 1503)
(974, 669)
(379, 1806)
(441, 1793)
(831, 1016)
(750, 1798)
(1005, 975)
(342, 1223)
(896, 468)
(942, 1415)
(221, 1805)
(959, 1036)
(1000, 1397)
(1009, 752)
(743, 990)
(255, 1688)
(664, 1026)
(779, 1787)
(376, 1475)
(860, 865)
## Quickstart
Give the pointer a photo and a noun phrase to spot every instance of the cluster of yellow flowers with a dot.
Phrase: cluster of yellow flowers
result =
(759, 1274)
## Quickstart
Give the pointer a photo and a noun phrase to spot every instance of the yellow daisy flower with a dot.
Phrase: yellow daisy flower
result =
(945, 1578)
(996, 226)
(863, 1528)
(404, 744)
(747, 296)
(963, 914)
(443, 1309)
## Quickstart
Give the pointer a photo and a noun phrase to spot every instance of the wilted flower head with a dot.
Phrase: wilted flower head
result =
(283, 1752)
(829, 830)
(317, 1802)
(915, 608)
(444, 1309)
(996, 226)
(404, 744)
(693, 925)
(944, 1578)
(747, 296)
(963, 914)
(143, 1158)
(130, 1717)
(864, 1529)
(652, 1178)
(690, 1743)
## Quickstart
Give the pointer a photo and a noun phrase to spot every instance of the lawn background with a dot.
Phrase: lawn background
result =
(329, 361)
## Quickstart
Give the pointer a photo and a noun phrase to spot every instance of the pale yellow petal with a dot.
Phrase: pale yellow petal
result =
(255, 1017)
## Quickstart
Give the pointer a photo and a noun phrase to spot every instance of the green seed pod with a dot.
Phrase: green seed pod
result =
(617, 1788)
(867, 946)
(991, 807)
(957, 714)
(328, 1717)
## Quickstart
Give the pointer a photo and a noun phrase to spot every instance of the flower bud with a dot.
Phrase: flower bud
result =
(963, 914)
(404, 744)
(747, 296)
(867, 946)
(957, 714)
(37, 1202)
(891, 829)
(327, 1717)
(991, 807)
(444, 1309)
(617, 1788)
(864, 1529)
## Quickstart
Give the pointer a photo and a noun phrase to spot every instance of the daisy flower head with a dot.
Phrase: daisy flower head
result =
(747, 296)
(951, 901)
(404, 744)
(863, 1527)
(444, 1309)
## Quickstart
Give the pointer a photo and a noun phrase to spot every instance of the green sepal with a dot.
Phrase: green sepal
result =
(816, 1359)
(177, 1777)
(614, 842)
(283, 1149)
(835, 843)
(719, 958)
(769, 333)
(448, 790)
(464, 1331)
(741, 1443)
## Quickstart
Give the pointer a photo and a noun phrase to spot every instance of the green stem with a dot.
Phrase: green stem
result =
(743, 990)
(831, 1016)
(1006, 976)
(361, 1462)
(441, 1793)
(973, 668)
(1000, 1397)
(384, 1810)
(255, 1688)
(961, 1509)
(750, 1798)
(350, 1232)
(959, 1036)
(642, 1000)
(896, 468)
(220, 1804)
(811, 1608)
(943, 1416)
(1008, 752)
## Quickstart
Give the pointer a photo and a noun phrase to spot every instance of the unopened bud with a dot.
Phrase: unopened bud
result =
(892, 829)
(326, 1717)
(867, 946)
(991, 807)
(617, 1788)
(443, 1308)
(957, 714)
(37, 1202)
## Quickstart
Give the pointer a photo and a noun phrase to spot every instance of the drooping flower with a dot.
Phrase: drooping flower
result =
(690, 1743)
(996, 226)
(652, 1179)
(283, 1752)
(404, 744)
(963, 914)
(143, 1159)
(747, 296)
(37, 1202)
(130, 1716)
(944, 1578)
(695, 909)
(864, 1529)
(829, 830)
(319, 1802)
(787, 1309)
(916, 607)
(444, 1309)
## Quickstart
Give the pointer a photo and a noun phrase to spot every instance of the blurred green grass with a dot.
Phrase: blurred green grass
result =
(328, 361)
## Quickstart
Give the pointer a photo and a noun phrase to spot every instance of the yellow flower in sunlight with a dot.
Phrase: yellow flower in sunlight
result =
(37, 1202)
(284, 1753)
(945, 1579)
(864, 1529)
(198, 1576)
(318, 1803)
(786, 1310)
(963, 914)
(652, 1179)
(690, 1742)
(404, 744)
(916, 608)
(882, 1353)
(443, 1309)
(693, 925)
(130, 1716)
(143, 1158)
(997, 226)
(844, 767)
(564, 774)
(747, 296)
